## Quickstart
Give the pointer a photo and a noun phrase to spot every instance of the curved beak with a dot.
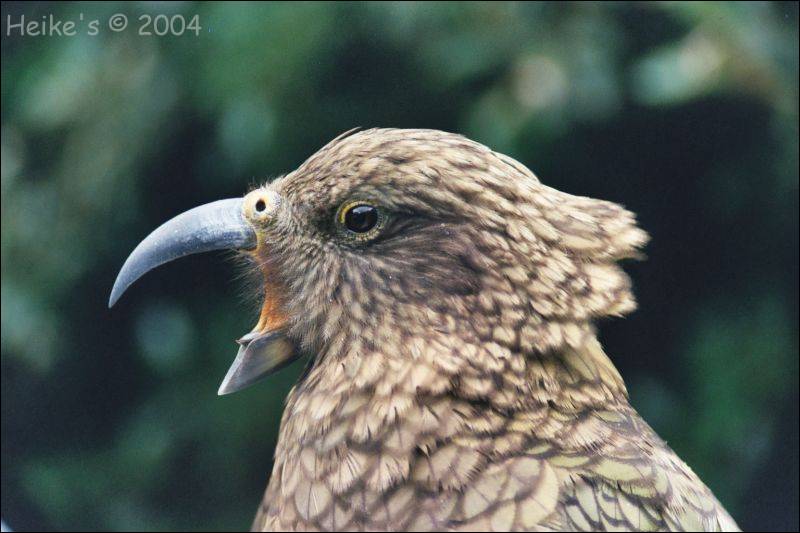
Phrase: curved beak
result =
(218, 225)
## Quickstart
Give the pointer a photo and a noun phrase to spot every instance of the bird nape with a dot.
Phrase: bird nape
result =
(446, 298)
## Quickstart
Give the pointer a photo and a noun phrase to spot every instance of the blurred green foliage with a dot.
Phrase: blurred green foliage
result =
(685, 112)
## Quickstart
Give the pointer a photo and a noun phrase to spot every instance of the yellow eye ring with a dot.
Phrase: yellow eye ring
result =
(360, 220)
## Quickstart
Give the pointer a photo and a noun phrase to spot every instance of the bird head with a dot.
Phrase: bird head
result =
(390, 251)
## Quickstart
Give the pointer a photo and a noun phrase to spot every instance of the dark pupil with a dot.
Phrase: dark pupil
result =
(361, 218)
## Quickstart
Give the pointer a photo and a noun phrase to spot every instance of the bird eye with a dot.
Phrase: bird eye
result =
(360, 219)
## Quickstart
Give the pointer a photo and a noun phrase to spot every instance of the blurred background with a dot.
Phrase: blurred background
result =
(687, 113)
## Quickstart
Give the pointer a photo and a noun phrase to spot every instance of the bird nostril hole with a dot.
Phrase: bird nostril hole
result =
(261, 205)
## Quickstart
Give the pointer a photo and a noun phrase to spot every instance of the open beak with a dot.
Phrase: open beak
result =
(220, 225)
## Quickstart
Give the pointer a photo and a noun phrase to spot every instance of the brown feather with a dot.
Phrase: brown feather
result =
(457, 381)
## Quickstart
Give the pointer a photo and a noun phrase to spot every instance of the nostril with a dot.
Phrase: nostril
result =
(261, 205)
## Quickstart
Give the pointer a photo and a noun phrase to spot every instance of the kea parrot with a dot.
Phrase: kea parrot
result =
(446, 300)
